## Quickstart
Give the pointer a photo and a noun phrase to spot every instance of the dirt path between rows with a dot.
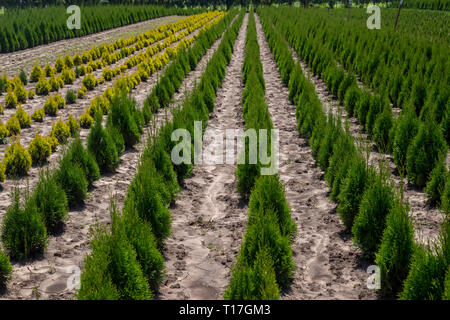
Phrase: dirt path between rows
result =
(426, 219)
(208, 218)
(328, 265)
(43, 54)
(46, 277)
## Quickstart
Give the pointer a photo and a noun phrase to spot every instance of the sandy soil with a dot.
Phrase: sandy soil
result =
(328, 265)
(208, 218)
(426, 219)
(14, 61)
(46, 277)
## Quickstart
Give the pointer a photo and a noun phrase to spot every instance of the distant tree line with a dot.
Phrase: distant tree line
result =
(417, 4)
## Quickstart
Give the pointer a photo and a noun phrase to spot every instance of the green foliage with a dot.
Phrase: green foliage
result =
(352, 190)
(80, 156)
(89, 82)
(39, 150)
(50, 199)
(23, 231)
(145, 244)
(351, 99)
(38, 115)
(396, 249)
(101, 145)
(96, 281)
(405, 131)
(23, 77)
(73, 181)
(446, 295)
(36, 73)
(436, 184)
(5, 269)
(4, 133)
(60, 131)
(424, 152)
(125, 269)
(426, 278)
(254, 283)
(255, 111)
(121, 117)
(11, 100)
(73, 125)
(269, 193)
(370, 223)
(382, 129)
(363, 107)
(263, 233)
(50, 107)
(23, 117)
(85, 121)
(17, 160)
(43, 87)
(30, 27)
(143, 195)
(20, 93)
(71, 97)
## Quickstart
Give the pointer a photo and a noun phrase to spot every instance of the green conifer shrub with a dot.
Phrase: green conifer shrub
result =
(370, 222)
(396, 249)
(23, 231)
(51, 200)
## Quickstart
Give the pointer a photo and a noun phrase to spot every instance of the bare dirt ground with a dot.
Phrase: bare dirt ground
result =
(41, 55)
(46, 277)
(426, 219)
(328, 265)
(208, 218)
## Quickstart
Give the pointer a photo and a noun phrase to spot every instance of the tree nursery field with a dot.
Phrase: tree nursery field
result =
(224, 150)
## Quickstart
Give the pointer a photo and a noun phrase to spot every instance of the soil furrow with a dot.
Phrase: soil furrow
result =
(208, 218)
(328, 265)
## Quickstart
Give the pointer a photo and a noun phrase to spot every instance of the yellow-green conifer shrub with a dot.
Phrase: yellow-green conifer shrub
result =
(48, 70)
(13, 126)
(73, 125)
(21, 94)
(36, 73)
(51, 107)
(23, 117)
(60, 131)
(53, 142)
(43, 87)
(85, 120)
(39, 149)
(59, 64)
(17, 159)
(4, 133)
(38, 115)
(10, 100)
